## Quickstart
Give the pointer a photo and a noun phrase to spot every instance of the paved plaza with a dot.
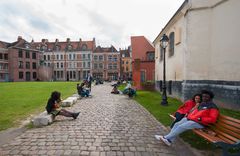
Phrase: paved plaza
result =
(108, 125)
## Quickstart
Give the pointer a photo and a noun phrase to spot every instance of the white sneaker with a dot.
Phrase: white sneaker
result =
(165, 140)
(157, 137)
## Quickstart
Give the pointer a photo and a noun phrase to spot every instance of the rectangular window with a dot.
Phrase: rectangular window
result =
(20, 64)
(27, 54)
(171, 44)
(48, 57)
(27, 65)
(61, 65)
(34, 65)
(61, 57)
(95, 57)
(88, 64)
(5, 56)
(100, 65)
(20, 75)
(83, 56)
(44, 57)
(95, 65)
(89, 56)
(115, 58)
(114, 66)
(1, 56)
(34, 55)
(143, 76)
(34, 75)
(20, 53)
(150, 56)
(100, 58)
(110, 58)
(110, 66)
(84, 64)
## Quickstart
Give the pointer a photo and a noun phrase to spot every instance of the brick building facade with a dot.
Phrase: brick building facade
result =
(106, 63)
(143, 61)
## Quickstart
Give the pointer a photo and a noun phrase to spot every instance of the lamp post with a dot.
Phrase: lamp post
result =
(163, 43)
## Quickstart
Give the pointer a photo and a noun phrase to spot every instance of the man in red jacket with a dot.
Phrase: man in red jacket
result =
(203, 115)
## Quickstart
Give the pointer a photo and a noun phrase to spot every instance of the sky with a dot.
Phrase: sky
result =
(110, 22)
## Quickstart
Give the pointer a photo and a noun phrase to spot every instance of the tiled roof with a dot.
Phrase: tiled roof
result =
(75, 45)
(105, 49)
(4, 44)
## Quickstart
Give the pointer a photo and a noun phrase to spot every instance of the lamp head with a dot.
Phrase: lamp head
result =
(164, 41)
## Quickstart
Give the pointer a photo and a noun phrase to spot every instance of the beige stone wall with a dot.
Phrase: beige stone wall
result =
(212, 44)
(175, 63)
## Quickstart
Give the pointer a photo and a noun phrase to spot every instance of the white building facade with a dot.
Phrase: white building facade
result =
(203, 52)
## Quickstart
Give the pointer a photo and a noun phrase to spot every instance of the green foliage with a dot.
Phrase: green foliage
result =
(20, 99)
(152, 102)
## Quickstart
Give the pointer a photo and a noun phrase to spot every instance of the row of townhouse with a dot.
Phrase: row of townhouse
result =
(60, 61)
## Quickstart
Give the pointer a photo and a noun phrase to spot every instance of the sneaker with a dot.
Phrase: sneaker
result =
(75, 115)
(166, 141)
(157, 137)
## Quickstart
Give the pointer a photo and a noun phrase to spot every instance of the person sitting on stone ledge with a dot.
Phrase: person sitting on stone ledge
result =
(115, 90)
(83, 92)
(203, 115)
(53, 106)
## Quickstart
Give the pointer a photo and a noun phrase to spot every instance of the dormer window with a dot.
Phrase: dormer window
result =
(84, 47)
(57, 48)
(69, 47)
(43, 48)
(26, 46)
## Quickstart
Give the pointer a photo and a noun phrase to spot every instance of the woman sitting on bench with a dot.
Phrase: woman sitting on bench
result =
(203, 115)
(186, 107)
(53, 106)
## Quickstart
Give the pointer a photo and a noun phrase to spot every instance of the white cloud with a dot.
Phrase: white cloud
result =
(109, 21)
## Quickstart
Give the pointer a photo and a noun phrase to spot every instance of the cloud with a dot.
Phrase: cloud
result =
(104, 27)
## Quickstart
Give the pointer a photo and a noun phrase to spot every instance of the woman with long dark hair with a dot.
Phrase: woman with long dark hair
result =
(53, 106)
(186, 108)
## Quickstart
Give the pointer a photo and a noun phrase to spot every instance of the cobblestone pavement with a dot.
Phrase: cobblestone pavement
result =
(108, 125)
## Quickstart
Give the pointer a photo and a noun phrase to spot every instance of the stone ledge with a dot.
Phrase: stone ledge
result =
(43, 119)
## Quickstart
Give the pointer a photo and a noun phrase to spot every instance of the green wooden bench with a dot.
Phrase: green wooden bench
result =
(225, 133)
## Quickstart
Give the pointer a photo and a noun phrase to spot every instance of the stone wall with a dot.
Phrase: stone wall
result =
(227, 93)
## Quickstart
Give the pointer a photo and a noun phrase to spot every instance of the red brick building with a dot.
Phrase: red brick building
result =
(4, 65)
(126, 64)
(143, 61)
(23, 60)
(68, 60)
(106, 63)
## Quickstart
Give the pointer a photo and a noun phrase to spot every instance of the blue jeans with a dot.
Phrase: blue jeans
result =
(180, 127)
(85, 93)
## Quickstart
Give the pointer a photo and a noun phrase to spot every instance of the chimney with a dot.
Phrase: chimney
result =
(80, 40)
(43, 40)
(68, 40)
(32, 41)
(56, 41)
(19, 38)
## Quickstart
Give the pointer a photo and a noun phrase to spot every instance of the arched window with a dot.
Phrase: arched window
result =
(171, 44)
